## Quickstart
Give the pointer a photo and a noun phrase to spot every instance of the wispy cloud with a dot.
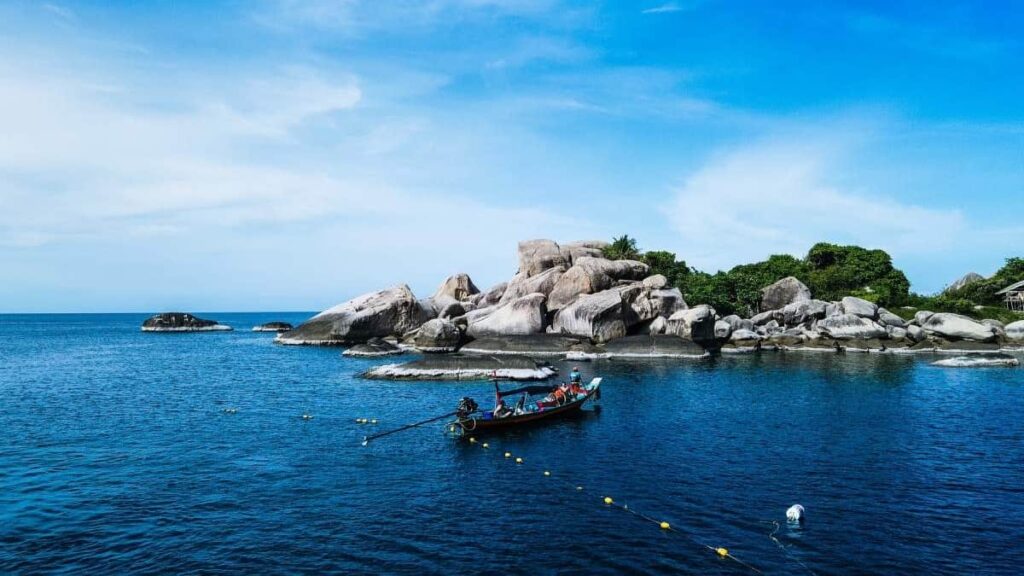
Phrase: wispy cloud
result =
(664, 9)
(782, 195)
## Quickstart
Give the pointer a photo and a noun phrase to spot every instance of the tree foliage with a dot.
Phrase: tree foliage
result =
(622, 248)
(829, 270)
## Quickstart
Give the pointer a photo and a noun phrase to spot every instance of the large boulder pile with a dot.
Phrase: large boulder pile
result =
(570, 299)
(568, 291)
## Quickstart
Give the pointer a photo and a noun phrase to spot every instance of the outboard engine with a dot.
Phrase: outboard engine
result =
(466, 407)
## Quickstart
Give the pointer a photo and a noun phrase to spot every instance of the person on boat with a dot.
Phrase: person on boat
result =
(521, 405)
(575, 376)
(500, 409)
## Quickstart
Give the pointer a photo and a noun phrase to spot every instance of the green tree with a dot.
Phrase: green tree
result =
(665, 263)
(622, 248)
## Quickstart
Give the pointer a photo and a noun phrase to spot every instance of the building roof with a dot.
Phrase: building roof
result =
(1015, 287)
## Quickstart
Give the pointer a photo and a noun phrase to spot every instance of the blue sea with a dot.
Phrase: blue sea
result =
(117, 457)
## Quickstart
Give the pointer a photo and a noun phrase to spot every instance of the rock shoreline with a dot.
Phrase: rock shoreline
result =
(569, 301)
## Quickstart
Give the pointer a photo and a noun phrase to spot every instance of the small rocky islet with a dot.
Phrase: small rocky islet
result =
(571, 301)
(273, 327)
(181, 322)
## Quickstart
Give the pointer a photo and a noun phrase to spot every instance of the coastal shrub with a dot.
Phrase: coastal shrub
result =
(665, 263)
(831, 271)
(837, 271)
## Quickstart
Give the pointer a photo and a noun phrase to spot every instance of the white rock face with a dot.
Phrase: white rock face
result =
(849, 326)
(656, 282)
(785, 291)
(581, 249)
(658, 326)
(896, 333)
(697, 323)
(601, 317)
(438, 335)
(667, 301)
(803, 311)
(859, 307)
(916, 333)
(922, 316)
(592, 275)
(1015, 330)
(390, 312)
(536, 256)
(886, 318)
(492, 296)
(524, 315)
(458, 287)
(958, 327)
(743, 335)
(723, 329)
(521, 284)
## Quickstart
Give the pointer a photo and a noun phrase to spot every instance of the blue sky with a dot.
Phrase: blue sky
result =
(287, 155)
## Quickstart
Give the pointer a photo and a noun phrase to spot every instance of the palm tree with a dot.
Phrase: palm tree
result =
(622, 248)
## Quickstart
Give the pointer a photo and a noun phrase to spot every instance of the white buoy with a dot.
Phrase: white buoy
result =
(795, 513)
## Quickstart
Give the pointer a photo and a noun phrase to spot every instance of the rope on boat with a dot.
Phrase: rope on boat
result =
(720, 551)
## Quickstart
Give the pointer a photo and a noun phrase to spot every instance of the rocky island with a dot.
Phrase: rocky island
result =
(572, 301)
(181, 322)
(273, 327)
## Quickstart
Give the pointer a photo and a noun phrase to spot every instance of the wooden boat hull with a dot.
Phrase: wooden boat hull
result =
(474, 425)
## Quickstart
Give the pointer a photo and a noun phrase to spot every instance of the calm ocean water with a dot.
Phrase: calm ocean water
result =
(116, 456)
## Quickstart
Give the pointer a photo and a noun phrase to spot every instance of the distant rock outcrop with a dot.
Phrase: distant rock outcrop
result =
(273, 327)
(181, 322)
(963, 281)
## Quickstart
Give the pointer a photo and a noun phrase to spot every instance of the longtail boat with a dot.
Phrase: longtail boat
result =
(557, 402)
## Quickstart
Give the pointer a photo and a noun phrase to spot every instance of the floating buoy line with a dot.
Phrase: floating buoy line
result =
(719, 551)
(664, 525)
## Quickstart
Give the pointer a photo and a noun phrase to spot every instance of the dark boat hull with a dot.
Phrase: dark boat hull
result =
(474, 425)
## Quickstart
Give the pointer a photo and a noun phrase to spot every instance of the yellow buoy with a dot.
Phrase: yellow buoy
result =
(665, 525)
(608, 500)
(485, 445)
(722, 552)
(546, 473)
(508, 454)
(472, 440)
(519, 460)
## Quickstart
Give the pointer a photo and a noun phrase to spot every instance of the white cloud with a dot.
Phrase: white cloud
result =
(663, 9)
(784, 195)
